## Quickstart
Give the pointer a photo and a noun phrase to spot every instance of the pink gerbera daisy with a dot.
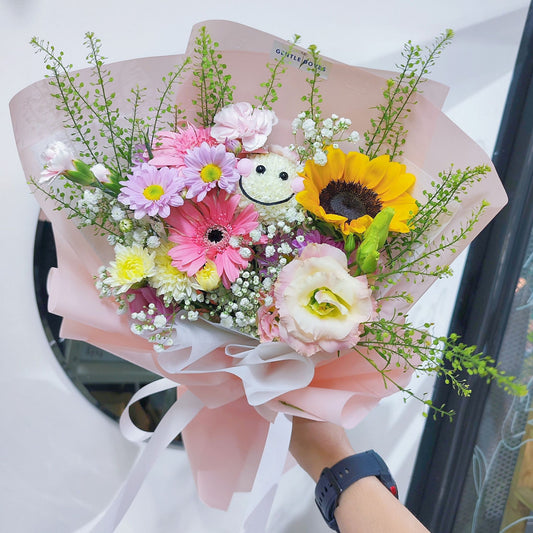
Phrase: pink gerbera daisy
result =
(171, 147)
(203, 231)
(151, 191)
(207, 167)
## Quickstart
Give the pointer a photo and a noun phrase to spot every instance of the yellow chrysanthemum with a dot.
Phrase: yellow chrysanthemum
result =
(169, 282)
(208, 277)
(350, 190)
(132, 265)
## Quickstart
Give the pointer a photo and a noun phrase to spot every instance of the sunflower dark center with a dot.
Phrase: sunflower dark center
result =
(349, 199)
(215, 235)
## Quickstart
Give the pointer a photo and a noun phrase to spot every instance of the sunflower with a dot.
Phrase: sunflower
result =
(350, 190)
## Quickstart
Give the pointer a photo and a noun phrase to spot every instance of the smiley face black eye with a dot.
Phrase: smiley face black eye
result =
(284, 176)
(260, 169)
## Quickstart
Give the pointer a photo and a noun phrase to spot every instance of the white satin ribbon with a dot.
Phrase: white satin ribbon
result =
(268, 475)
(173, 423)
(267, 370)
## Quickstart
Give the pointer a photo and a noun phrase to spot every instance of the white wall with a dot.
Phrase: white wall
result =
(55, 444)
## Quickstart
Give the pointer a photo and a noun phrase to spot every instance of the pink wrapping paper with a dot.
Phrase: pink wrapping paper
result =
(342, 390)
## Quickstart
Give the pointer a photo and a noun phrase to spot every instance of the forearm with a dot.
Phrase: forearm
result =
(367, 505)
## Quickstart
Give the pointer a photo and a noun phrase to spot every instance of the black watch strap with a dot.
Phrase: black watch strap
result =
(333, 481)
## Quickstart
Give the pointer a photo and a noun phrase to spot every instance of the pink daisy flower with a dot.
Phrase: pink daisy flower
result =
(202, 232)
(207, 167)
(171, 147)
(151, 191)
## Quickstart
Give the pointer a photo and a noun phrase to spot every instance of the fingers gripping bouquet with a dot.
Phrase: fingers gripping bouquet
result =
(245, 242)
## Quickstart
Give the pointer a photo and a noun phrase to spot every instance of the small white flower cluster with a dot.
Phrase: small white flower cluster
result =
(153, 326)
(237, 307)
(319, 134)
(101, 282)
(132, 231)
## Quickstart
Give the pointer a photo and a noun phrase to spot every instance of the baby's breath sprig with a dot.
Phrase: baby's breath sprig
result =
(388, 129)
(214, 89)
(85, 205)
(318, 133)
(416, 348)
(276, 70)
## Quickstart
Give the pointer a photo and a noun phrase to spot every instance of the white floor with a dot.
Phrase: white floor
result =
(60, 459)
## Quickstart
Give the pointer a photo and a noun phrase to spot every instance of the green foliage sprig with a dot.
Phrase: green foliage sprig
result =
(87, 108)
(209, 72)
(276, 70)
(314, 98)
(388, 128)
(404, 345)
(164, 104)
(410, 254)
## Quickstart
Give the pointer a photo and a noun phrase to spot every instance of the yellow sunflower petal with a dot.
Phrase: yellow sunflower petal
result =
(399, 226)
(355, 167)
(396, 183)
(307, 199)
(315, 174)
(335, 165)
(358, 225)
(375, 171)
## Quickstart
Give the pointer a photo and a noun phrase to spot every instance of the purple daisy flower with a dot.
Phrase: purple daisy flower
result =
(207, 167)
(151, 191)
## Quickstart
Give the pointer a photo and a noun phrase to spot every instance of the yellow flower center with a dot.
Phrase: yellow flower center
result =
(325, 303)
(210, 173)
(130, 268)
(153, 192)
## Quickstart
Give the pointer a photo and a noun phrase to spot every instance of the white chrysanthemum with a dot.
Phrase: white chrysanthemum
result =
(169, 282)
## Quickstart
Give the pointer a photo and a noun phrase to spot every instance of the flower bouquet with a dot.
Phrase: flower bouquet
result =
(230, 230)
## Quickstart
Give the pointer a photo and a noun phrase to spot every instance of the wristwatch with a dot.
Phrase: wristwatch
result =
(335, 480)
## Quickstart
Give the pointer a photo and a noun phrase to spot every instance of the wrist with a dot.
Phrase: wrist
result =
(363, 468)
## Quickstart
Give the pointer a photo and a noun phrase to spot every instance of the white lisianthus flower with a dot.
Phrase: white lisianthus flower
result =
(320, 304)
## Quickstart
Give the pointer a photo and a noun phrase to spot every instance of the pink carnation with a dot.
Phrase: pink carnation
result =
(321, 305)
(267, 323)
(171, 147)
(242, 121)
(58, 159)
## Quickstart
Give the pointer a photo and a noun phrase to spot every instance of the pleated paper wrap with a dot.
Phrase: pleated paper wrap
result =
(232, 390)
